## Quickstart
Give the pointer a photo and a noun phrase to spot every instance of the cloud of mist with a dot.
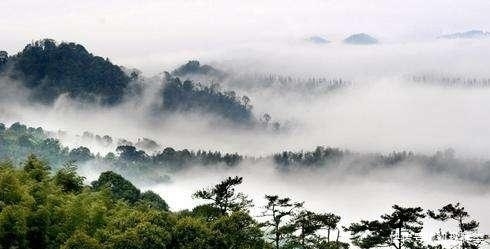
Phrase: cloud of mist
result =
(353, 196)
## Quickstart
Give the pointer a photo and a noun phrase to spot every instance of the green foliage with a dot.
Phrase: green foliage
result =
(399, 229)
(192, 234)
(120, 188)
(40, 210)
(50, 69)
(18, 141)
(223, 196)
(153, 200)
(80, 154)
(68, 179)
(238, 230)
(80, 240)
(36, 169)
(279, 211)
(188, 96)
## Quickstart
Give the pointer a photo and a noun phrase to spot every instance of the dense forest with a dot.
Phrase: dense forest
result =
(49, 69)
(41, 208)
(19, 141)
(443, 163)
(188, 96)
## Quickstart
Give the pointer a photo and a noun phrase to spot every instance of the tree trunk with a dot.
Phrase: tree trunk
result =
(400, 237)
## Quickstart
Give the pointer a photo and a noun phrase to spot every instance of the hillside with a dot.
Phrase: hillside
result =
(50, 69)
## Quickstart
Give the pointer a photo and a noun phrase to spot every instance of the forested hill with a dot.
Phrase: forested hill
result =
(188, 96)
(19, 141)
(50, 69)
(195, 68)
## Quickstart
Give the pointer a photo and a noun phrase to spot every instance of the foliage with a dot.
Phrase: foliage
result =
(398, 229)
(187, 96)
(68, 179)
(50, 69)
(119, 187)
(43, 210)
(195, 68)
(279, 211)
(467, 232)
(19, 141)
(223, 196)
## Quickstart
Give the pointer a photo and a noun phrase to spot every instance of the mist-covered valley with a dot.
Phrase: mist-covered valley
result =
(410, 132)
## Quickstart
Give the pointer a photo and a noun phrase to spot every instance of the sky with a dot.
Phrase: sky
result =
(154, 35)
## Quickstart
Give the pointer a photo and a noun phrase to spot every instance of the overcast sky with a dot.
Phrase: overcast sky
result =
(136, 33)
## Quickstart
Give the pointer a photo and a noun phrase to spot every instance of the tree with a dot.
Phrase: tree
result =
(3, 58)
(81, 154)
(80, 240)
(238, 230)
(153, 200)
(50, 69)
(309, 225)
(192, 234)
(37, 169)
(223, 196)
(278, 210)
(467, 228)
(398, 229)
(68, 179)
(129, 153)
(119, 187)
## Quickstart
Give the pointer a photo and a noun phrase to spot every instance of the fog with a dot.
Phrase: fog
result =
(381, 109)
(351, 195)
(151, 34)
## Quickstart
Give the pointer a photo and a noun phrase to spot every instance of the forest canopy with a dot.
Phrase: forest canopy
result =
(50, 69)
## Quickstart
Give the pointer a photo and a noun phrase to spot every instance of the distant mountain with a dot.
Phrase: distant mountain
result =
(472, 34)
(194, 68)
(50, 69)
(317, 40)
(360, 39)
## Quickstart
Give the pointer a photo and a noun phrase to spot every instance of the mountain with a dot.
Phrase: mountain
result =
(50, 69)
(360, 39)
(317, 40)
(472, 34)
(194, 68)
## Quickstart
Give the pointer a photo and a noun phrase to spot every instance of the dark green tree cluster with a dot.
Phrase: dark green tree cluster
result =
(175, 159)
(318, 157)
(188, 96)
(50, 69)
(38, 210)
(18, 141)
